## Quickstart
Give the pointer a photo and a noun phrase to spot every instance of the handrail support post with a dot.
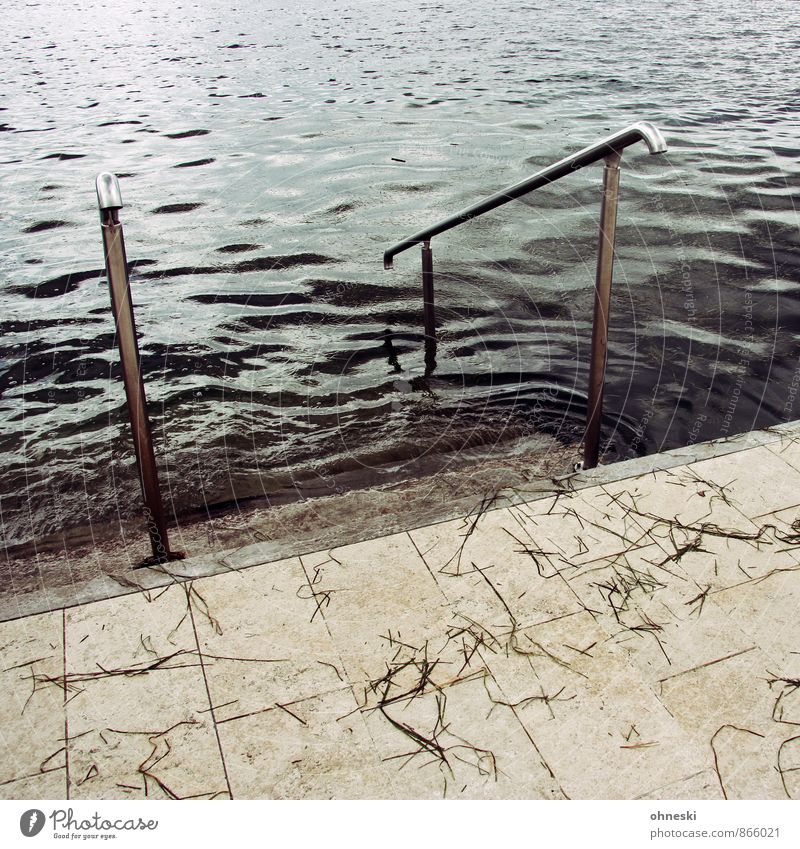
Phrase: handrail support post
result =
(110, 203)
(428, 306)
(602, 302)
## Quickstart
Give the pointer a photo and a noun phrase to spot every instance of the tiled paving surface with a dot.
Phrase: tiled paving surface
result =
(638, 638)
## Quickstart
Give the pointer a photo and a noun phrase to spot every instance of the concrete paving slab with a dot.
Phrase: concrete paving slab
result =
(703, 785)
(768, 610)
(753, 482)
(728, 705)
(32, 696)
(316, 748)
(583, 525)
(600, 728)
(264, 639)
(45, 785)
(377, 598)
(656, 612)
(149, 736)
(130, 631)
(459, 741)
(746, 762)
(137, 708)
(733, 689)
(675, 499)
(716, 561)
(787, 447)
(494, 572)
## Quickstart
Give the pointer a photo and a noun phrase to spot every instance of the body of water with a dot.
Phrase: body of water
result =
(269, 154)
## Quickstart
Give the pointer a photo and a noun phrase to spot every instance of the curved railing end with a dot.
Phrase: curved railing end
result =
(651, 136)
(109, 195)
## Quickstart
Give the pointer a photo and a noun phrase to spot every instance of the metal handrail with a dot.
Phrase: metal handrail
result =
(609, 149)
(109, 200)
(641, 131)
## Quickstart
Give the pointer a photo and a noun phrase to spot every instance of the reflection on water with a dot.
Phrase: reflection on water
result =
(268, 155)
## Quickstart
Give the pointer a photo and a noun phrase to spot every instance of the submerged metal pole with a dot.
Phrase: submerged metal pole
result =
(602, 300)
(109, 200)
(428, 310)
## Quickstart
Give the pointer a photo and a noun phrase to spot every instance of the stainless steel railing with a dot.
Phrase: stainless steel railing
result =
(608, 149)
(109, 200)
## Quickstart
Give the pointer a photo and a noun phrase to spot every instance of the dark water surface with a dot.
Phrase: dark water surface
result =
(269, 153)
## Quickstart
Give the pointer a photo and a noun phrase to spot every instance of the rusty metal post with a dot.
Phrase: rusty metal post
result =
(109, 200)
(428, 310)
(602, 300)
